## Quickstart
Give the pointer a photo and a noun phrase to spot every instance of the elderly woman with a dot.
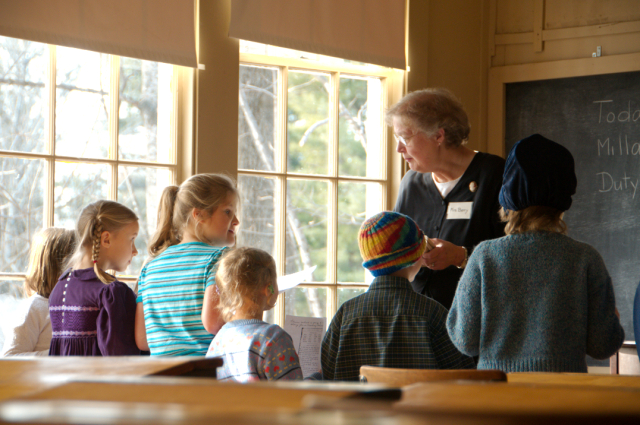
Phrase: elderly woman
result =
(451, 191)
(536, 300)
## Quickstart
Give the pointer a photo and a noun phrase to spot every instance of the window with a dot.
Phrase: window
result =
(312, 165)
(78, 126)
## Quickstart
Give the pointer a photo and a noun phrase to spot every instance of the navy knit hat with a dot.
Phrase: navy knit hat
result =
(538, 172)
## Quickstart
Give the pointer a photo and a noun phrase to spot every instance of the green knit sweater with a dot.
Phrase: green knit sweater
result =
(535, 302)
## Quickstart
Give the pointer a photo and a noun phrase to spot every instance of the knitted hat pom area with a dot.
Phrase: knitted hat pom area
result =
(390, 241)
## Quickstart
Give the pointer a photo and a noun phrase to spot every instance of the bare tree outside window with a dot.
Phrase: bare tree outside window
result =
(308, 148)
(80, 151)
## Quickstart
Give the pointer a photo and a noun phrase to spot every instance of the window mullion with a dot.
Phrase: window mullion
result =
(50, 148)
(332, 242)
(280, 221)
(114, 101)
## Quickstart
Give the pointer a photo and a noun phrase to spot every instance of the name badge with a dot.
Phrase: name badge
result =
(459, 210)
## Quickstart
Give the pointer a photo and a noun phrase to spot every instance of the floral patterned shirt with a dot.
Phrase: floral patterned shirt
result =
(254, 350)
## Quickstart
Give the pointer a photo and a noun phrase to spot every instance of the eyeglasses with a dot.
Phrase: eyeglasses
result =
(405, 140)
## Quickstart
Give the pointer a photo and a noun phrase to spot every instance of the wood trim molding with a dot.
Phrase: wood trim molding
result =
(538, 25)
(500, 76)
(568, 33)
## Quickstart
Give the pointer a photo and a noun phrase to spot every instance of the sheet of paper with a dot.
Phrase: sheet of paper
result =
(307, 334)
(292, 280)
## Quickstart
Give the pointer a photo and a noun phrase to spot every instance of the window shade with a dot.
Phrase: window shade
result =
(370, 31)
(156, 30)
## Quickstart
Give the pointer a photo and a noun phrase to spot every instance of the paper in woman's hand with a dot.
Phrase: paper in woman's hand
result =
(292, 280)
(430, 244)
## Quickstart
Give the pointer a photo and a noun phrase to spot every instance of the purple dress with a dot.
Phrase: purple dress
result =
(89, 318)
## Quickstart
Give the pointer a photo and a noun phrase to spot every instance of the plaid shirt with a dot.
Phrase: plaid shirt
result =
(389, 326)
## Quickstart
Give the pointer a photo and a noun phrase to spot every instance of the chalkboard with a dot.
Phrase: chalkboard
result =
(598, 119)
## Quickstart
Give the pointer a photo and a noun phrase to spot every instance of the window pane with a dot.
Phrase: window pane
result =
(82, 103)
(308, 122)
(11, 301)
(257, 212)
(23, 99)
(140, 189)
(10, 288)
(257, 118)
(270, 316)
(22, 186)
(345, 294)
(361, 127)
(356, 202)
(306, 302)
(77, 185)
(307, 227)
(146, 110)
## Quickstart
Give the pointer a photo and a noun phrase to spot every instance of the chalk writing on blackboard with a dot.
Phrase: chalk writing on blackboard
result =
(610, 112)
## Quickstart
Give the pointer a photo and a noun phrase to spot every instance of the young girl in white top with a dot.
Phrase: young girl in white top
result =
(252, 349)
(196, 222)
(32, 335)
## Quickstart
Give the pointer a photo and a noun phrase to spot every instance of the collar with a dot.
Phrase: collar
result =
(429, 181)
(390, 282)
(244, 322)
(81, 274)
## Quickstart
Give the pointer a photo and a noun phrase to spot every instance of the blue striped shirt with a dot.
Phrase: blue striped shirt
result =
(171, 288)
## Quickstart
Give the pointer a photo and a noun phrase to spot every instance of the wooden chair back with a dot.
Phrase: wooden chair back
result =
(401, 377)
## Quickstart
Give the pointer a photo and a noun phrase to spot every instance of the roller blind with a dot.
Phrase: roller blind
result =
(370, 31)
(156, 30)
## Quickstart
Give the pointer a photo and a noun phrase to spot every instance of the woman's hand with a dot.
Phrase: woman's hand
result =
(445, 254)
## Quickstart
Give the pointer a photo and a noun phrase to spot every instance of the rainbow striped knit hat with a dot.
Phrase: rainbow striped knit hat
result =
(390, 241)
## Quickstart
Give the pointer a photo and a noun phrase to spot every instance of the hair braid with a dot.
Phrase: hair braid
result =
(97, 233)
(95, 219)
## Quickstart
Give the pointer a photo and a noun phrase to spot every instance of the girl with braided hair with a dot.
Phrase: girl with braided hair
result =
(92, 313)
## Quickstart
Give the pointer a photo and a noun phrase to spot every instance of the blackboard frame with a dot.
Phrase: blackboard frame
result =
(499, 77)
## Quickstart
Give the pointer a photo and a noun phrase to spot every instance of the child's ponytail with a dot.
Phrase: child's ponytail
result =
(165, 235)
(203, 192)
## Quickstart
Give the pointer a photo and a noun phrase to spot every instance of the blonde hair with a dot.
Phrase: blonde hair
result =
(242, 274)
(432, 109)
(533, 219)
(204, 192)
(101, 216)
(50, 250)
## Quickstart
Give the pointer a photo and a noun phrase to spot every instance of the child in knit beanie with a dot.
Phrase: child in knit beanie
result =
(390, 325)
(535, 300)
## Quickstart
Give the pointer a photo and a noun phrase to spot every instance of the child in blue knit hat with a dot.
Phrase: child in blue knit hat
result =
(535, 300)
(390, 325)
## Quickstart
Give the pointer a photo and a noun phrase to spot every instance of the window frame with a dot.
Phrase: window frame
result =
(392, 88)
(50, 157)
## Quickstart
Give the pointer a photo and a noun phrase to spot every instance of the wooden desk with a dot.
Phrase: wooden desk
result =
(89, 413)
(256, 404)
(18, 377)
(579, 379)
(187, 400)
(520, 399)
(210, 395)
